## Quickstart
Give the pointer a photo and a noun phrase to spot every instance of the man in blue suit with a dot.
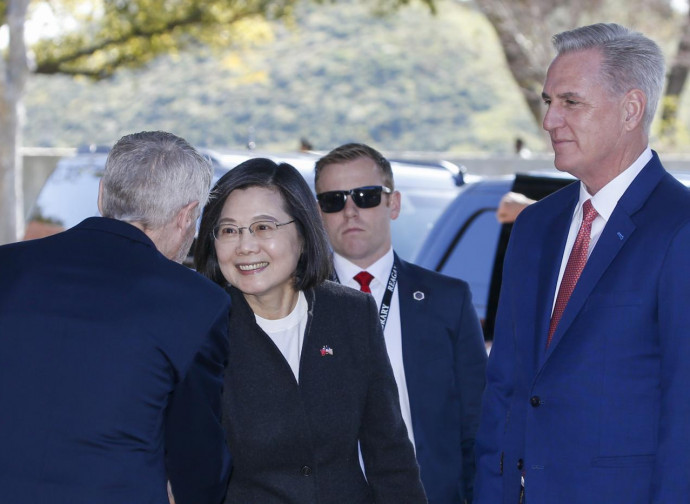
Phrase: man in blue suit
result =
(112, 353)
(432, 332)
(587, 384)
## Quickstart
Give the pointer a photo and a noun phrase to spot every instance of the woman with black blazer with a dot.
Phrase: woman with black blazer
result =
(308, 380)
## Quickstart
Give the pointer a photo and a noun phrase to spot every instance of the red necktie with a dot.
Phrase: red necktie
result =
(364, 278)
(574, 267)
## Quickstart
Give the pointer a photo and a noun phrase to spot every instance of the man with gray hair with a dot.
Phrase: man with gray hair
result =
(586, 397)
(112, 353)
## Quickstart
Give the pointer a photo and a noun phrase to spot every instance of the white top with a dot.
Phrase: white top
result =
(288, 332)
(381, 270)
(604, 202)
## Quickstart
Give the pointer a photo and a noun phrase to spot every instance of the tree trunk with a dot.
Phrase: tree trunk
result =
(13, 72)
(525, 42)
(675, 82)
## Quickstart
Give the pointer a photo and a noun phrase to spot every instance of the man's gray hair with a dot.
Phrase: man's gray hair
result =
(150, 176)
(630, 60)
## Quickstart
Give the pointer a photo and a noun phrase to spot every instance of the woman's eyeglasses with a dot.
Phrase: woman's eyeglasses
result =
(363, 197)
(262, 230)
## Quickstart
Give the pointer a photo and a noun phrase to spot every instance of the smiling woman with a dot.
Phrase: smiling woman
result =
(260, 258)
(295, 339)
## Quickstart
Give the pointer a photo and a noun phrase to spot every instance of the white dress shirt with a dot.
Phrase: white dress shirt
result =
(381, 271)
(604, 202)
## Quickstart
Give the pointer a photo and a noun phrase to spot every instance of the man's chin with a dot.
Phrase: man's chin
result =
(353, 253)
(563, 164)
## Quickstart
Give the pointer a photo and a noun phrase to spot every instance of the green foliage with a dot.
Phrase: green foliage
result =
(409, 80)
(130, 34)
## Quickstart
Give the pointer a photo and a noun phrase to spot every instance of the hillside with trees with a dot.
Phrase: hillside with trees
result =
(408, 80)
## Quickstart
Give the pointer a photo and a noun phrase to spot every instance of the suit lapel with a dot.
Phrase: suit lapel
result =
(411, 324)
(614, 236)
(605, 251)
(311, 344)
(405, 305)
(556, 234)
(254, 341)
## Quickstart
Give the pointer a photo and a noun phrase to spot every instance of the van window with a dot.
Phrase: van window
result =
(419, 210)
(479, 234)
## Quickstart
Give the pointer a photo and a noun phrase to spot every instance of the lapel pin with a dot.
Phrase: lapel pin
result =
(418, 296)
(326, 350)
(620, 235)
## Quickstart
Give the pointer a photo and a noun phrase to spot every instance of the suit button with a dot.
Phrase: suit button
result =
(306, 470)
(521, 464)
(535, 401)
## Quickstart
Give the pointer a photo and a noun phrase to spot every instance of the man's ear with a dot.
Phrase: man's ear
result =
(187, 215)
(634, 105)
(100, 196)
(395, 202)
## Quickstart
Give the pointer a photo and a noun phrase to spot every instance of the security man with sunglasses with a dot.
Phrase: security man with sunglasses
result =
(433, 336)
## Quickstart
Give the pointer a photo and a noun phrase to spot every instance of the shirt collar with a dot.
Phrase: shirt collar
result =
(346, 269)
(607, 198)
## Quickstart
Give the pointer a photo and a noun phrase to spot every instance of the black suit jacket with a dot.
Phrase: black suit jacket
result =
(110, 355)
(297, 443)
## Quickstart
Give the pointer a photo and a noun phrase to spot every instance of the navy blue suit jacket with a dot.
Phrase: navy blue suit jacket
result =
(111, 355)
(444, 358)
(601, 416)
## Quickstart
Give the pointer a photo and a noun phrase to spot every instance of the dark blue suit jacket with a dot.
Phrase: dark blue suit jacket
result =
(601, 416)
(444, 358)
(110, 355)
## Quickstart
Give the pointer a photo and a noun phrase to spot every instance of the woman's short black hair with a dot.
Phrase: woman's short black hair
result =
(315, 263)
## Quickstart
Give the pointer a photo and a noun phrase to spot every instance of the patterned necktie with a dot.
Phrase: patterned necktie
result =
(364, 278)
(574, 267)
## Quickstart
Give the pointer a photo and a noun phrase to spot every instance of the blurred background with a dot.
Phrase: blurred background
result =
(417, 79)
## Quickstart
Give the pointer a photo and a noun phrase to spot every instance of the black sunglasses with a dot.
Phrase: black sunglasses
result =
(363, 197)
